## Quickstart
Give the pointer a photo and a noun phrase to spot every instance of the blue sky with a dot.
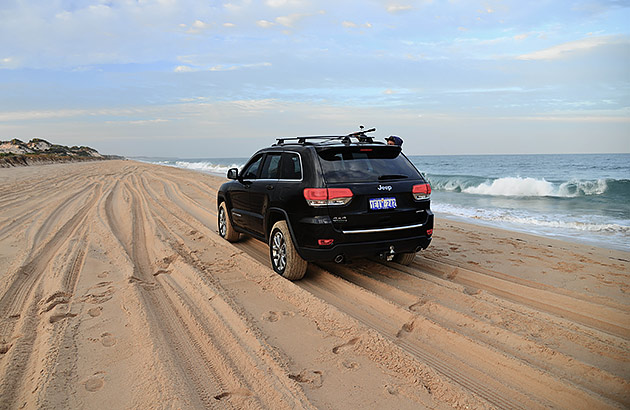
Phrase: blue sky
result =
(222, 79)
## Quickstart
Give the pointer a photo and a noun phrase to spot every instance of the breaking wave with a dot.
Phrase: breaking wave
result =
(528, 187)
(202, 166)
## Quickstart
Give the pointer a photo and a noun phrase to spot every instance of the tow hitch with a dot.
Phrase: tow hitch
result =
(388, 256)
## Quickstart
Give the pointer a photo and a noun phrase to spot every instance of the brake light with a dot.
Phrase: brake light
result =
(422, 191)
(327, 196)
(429, 232)
(325, 242)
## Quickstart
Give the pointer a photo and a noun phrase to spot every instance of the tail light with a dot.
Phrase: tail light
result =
(327, 196)
(422, 191)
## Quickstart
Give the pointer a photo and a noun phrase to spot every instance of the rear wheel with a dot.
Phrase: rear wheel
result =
(405, 258)
(226, 230)
(284, 257)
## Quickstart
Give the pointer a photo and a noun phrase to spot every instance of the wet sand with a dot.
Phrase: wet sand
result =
(117, 292)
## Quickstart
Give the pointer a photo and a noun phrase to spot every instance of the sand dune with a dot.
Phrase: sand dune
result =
(117, 292)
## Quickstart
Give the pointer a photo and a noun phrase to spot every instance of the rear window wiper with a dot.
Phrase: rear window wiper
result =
(392, 176)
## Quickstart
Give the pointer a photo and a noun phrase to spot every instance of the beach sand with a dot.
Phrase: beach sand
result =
(117, 292)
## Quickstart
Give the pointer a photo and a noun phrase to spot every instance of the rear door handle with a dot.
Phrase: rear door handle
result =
(270, 187)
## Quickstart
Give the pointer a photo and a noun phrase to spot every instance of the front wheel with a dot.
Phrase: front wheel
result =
(226, 230)
(405, 258)
(284, 257)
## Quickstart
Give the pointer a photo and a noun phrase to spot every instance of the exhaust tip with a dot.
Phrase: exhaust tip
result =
(339, 258)
(419, 248)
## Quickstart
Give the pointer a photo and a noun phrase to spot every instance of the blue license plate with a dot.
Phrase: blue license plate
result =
(382, 203)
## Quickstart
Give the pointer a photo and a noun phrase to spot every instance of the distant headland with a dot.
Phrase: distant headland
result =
(39, 151)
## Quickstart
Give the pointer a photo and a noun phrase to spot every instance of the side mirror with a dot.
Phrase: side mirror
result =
(232, 173)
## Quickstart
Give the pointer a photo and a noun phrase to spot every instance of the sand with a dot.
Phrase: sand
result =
(117, 292)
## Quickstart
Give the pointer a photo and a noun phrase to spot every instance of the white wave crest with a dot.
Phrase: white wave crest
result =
(531, 187)
(201, 166)
(205, 166)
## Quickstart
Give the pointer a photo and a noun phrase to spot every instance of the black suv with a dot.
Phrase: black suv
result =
(329, 198)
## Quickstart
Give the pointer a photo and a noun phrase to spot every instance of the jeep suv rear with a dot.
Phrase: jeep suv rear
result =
(332, 198)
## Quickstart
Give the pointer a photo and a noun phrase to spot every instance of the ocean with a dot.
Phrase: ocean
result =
(577, 197)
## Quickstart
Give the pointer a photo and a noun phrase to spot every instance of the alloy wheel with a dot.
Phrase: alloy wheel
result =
(279, 251)
(222, 223)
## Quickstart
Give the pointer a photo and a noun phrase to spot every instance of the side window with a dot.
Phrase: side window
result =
(291, 167)
(251, 170)
(271, 169)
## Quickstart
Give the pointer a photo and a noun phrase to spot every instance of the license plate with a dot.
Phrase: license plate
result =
(382, 203)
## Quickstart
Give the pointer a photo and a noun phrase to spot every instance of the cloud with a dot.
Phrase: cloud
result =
(283, 3)
(219, 67)
(265, 23)
(351, 24)
(138, 122)
(184, 69)
(291, 19)
(33, 115)
(398, 8)
(196, 27)
(8, 62)
(565, 49)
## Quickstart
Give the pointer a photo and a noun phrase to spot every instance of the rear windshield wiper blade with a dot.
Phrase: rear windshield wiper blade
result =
(392, 176)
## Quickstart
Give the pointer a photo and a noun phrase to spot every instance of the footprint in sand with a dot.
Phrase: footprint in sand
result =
(94, 312)
(142, 283)
(346, 346)
(57, 298)
(272, 316)
(405, 329)
(235, 393)
(108, 340)
(418, 305)
(393, 390)
(349, 364)
(102, 275)
(4, 347)
(100, 293)
(94, 383)
(315, 378)
(57, 318)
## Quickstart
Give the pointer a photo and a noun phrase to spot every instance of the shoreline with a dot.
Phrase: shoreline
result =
(580, 237)
(116, 291)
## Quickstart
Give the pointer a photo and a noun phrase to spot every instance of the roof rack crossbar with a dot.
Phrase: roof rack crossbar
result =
(346, 139)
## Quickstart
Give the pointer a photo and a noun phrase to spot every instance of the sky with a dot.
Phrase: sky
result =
(209, 79)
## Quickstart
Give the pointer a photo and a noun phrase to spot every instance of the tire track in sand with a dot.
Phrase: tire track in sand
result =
(20, 304)
(199, 364)
(452, 309)
(226, 335)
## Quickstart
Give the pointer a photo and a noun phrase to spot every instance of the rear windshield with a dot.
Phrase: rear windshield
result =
(365, 164)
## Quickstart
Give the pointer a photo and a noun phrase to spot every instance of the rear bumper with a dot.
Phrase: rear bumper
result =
(365, 249)
(360, 243)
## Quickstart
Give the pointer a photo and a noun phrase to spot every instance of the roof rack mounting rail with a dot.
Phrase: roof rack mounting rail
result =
(346, 139)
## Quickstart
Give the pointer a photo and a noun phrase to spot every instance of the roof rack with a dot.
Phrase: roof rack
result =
(346, 139)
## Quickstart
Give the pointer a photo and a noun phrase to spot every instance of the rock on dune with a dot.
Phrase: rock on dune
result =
(37, 150)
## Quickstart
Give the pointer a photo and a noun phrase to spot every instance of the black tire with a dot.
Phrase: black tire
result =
(284, 257)
(226, 230)
(405, 258)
